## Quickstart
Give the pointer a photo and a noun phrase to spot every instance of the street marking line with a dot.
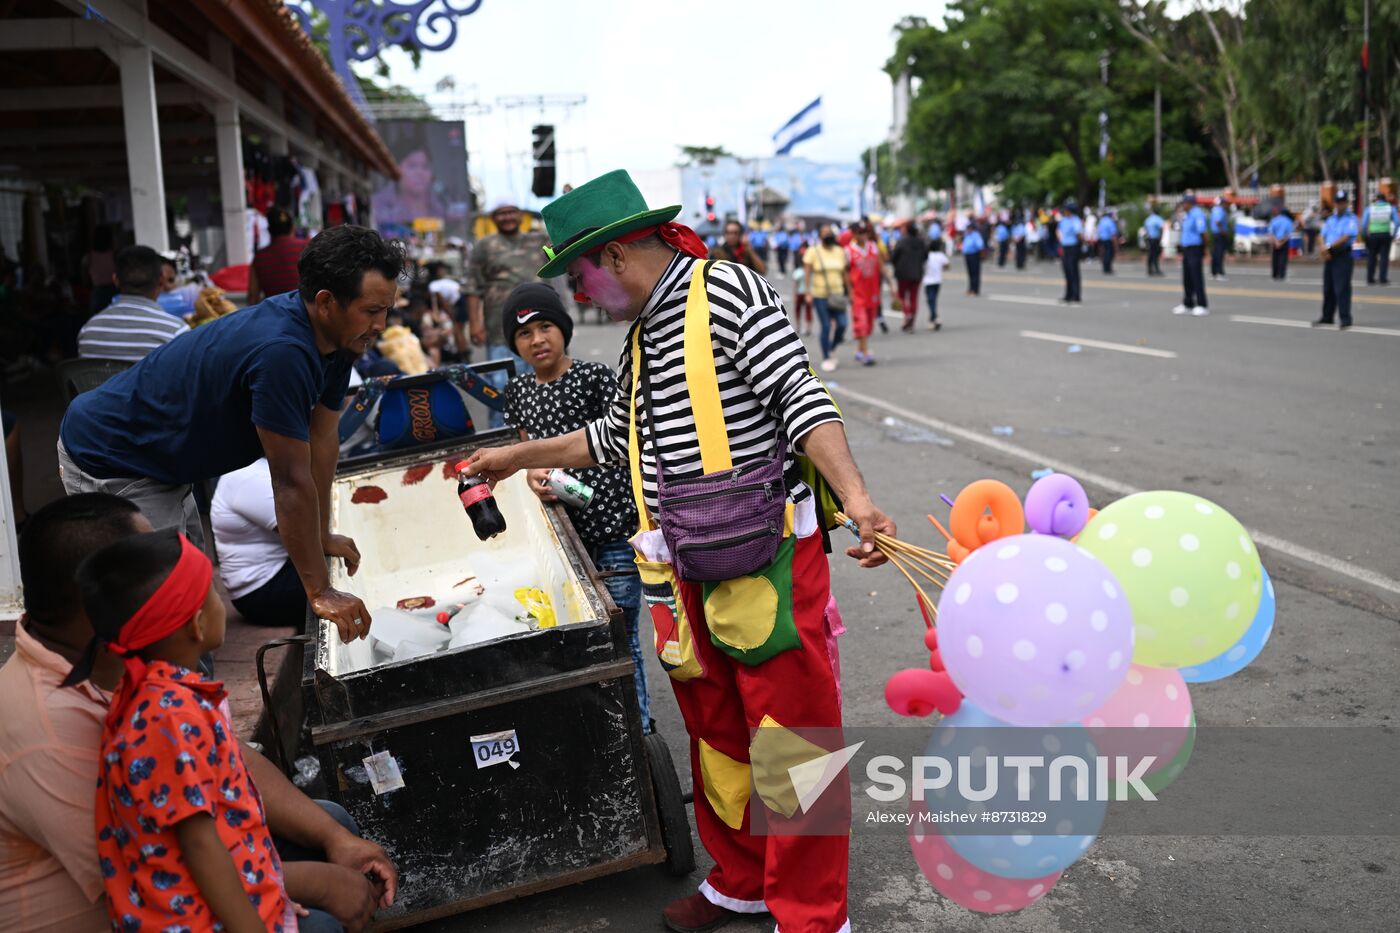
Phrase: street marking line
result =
(1276, 321)
(1282, 322)
(1024, 300)
(1108, 484)
(1100, 344)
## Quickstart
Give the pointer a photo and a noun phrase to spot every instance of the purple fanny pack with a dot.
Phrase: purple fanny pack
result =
(726, 524)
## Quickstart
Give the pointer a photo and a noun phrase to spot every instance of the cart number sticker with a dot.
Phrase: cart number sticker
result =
(494, 748)
(383, 773)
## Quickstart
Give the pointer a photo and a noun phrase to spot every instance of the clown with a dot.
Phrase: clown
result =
(720, 419)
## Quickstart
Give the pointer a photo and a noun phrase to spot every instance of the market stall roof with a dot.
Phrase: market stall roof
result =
(269, 33)
(61, 91)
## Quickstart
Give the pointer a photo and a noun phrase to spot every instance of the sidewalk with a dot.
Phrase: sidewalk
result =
(38, 406)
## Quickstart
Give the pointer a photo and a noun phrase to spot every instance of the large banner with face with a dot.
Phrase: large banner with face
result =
(432, 193)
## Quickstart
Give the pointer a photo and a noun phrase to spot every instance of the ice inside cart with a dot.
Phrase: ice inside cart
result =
(426, 558)
(502, 766)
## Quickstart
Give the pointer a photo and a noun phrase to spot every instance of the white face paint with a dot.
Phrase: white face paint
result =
(601, 287)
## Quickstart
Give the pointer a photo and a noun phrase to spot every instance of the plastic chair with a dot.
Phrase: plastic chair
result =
(79, 375)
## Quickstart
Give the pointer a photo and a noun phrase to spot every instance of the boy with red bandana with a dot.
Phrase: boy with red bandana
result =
(181, 832)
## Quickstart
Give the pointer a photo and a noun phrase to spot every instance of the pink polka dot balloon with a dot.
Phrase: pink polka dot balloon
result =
(1150, 714)
(1035, 630)
(958, 880)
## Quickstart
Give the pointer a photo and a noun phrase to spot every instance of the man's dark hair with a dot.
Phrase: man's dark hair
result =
(138, 269)
(279, 222)
(337, 259)
(733, 223)
(119, 579)
(59, 537)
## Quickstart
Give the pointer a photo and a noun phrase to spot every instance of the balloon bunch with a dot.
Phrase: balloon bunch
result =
(1087, 624)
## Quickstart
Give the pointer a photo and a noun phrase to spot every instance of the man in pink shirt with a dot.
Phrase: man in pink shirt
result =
(50, 736)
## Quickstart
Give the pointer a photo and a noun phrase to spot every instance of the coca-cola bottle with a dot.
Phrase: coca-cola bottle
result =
(477, 499)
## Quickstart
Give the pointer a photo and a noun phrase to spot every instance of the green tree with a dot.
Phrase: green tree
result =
(1009, 92)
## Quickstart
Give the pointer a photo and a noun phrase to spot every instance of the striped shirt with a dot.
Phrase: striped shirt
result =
(765, 379)
(131, 327)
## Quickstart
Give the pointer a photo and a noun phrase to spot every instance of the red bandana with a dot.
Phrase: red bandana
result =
(678, 236)
(173, 604)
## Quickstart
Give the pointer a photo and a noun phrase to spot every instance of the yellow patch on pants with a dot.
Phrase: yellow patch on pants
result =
(742, 612)
(726, 784)
(774, 750)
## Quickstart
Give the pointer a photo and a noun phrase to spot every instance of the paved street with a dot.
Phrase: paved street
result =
(1293, 430)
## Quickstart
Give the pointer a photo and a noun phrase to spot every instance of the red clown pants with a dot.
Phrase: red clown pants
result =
(800, 879)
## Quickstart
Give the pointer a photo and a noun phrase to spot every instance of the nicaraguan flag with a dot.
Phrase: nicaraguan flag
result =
(805, 125)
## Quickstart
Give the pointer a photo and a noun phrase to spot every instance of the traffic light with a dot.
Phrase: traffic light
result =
(710, 208)
(543, 183)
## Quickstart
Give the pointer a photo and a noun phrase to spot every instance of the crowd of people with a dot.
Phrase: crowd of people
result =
(838, 273)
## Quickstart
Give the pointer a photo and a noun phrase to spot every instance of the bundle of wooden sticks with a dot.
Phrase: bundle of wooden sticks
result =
(913, 561)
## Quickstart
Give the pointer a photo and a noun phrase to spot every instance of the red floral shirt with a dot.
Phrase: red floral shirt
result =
(173, 757)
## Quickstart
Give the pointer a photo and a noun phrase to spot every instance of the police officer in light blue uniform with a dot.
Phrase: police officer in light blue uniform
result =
(935, 231)
(758, 239)
(1003, 237)
(1338, 233)
(1219, 238)
(1193, 280)
(1018, 238)
(782, 244)
(1108, 241)
(1152, 229)
(1378, 226)
(1070, 232)
(1280, 230)
(972, 246)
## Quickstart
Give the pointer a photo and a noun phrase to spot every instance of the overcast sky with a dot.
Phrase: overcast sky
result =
(659, 73)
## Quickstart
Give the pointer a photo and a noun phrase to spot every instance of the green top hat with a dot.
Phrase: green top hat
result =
(604, 209)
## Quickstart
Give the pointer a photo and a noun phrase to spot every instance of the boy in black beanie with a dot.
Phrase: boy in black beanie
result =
(563, 395)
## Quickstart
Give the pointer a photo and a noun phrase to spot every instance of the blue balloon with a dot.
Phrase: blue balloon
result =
(1031, 849)
(1244, 651)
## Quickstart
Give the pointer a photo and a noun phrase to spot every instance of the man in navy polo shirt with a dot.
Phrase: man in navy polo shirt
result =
(267, 381)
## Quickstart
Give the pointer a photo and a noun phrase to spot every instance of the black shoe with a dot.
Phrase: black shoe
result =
(1346, 326)
(884, 328)
(1322, 322)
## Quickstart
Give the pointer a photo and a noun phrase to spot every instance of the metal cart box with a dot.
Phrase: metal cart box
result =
(495, 770)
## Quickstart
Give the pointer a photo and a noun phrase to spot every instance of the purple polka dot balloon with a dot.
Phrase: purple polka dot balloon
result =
(1035, 630)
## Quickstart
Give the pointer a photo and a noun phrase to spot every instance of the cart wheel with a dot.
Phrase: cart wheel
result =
(670, 806)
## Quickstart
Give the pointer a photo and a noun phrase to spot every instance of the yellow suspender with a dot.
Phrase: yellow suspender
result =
(702, 384)
(700, 378)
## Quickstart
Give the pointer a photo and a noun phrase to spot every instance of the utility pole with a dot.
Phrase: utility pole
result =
(1362, 195)
(1103, 135)
(1157, 135)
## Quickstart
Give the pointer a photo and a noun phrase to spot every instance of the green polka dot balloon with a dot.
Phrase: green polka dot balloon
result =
(1189, 569)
